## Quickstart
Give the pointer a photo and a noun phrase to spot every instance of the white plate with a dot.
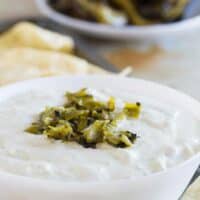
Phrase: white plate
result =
(164, 185)
(191, 21)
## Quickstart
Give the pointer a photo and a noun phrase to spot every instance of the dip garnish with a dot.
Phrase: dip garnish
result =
(87, 121)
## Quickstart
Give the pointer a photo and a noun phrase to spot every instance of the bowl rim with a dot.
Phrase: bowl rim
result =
(114, 31)
(163, 91)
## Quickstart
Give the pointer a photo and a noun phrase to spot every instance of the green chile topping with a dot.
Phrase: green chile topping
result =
(86, 121)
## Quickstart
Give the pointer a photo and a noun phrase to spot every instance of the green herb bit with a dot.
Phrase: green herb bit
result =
(111, 104)
(35, 128)
(59, 132)
(121, 139)
(94, 133)
(132, 109)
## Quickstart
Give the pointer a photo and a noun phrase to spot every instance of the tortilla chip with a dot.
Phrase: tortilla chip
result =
(193, 192)
(27, 63)
(25, 34)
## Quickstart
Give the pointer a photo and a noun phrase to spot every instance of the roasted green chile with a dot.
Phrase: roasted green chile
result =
(122, 12)
(85, 120)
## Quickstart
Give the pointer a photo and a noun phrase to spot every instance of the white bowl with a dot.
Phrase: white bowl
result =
(191, 21)
(164, 185)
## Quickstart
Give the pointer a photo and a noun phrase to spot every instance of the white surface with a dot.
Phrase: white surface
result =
(131, 32)
(142, 188)
(10, 9)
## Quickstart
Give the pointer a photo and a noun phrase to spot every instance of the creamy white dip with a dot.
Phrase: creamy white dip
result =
(168, 136)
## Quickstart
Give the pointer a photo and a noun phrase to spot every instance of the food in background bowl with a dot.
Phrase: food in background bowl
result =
(122, 12)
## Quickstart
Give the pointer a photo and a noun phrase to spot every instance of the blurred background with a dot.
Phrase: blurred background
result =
(22, 8)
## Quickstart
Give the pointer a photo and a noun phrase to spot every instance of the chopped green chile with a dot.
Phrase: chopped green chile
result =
(88, 122)
(132, 109)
